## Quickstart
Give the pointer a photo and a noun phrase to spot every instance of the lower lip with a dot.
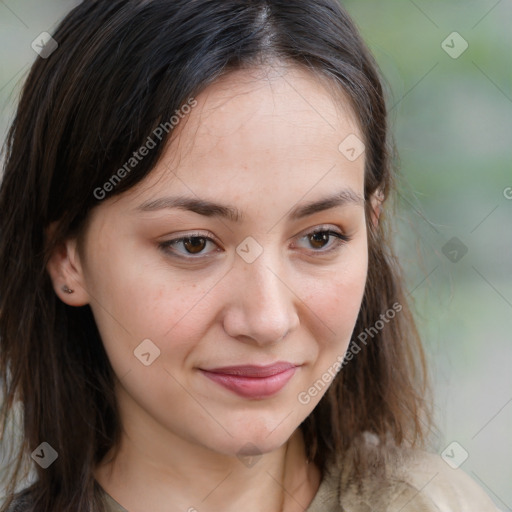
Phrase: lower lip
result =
(252, 387)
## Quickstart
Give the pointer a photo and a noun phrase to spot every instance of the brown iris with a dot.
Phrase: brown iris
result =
(194, 245)
(319, 238)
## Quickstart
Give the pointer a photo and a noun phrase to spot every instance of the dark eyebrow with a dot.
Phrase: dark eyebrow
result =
(210, 209)
(346, 196)
(200, 206)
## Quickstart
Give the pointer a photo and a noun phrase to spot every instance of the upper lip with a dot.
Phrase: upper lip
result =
(249, 370)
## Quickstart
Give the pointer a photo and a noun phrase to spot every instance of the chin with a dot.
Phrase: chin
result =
(246, 443)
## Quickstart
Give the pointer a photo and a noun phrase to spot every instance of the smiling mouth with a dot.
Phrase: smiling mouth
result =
(251, 381)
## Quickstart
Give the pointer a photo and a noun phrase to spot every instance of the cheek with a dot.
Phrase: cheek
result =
(134, 302)
(335, 299)
(335, 295)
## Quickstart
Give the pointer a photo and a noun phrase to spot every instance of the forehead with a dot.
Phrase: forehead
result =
(277, 89)
(262, 127)
(285, 97)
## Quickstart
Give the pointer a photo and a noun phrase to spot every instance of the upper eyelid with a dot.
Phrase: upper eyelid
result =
(211, 237)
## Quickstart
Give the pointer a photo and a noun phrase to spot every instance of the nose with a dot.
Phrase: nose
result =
(262, 308)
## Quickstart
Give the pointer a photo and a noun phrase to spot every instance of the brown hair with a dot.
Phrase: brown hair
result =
(121, 69)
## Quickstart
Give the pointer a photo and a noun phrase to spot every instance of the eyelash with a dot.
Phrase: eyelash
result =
(166, 246)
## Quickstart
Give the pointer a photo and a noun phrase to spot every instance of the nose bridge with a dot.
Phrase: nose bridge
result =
(262, 306)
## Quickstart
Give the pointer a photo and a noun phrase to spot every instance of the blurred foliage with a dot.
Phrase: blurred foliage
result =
(452, 120)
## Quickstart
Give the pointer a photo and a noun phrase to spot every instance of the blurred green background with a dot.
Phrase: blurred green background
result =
(452, 119)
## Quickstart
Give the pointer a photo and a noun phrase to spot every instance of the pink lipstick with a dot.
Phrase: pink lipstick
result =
(251, 381)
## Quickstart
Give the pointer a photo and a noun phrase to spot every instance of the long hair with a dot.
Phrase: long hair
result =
(121, 69)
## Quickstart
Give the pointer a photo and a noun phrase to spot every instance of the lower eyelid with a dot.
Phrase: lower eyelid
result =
(167, 247)
(340, 239)
(331, 251)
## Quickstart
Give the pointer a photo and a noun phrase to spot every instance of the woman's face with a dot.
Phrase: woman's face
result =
(219, 308)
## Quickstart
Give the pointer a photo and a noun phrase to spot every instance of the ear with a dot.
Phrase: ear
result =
(66, 273)
(376, 201)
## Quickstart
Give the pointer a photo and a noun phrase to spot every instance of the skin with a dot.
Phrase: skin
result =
(264, 141)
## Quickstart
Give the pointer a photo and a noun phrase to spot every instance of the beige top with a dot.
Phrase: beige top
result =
(415, 481)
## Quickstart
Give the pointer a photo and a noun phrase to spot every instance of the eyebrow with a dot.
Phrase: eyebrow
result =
(211, 209)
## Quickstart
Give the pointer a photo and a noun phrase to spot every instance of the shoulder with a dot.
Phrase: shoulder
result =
(24, 501)
(21, 502)
(424, 481)
(410, 480)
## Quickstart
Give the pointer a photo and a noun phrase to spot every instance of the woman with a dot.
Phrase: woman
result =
(200, 308)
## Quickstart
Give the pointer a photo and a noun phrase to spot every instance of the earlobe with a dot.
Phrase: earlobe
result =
(65, 270)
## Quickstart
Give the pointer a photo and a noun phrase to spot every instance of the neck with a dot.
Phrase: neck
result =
(142, 475)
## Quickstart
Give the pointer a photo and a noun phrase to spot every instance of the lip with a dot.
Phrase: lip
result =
(251, 381)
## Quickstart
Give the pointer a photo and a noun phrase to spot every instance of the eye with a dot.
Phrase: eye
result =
(324, 240)
(189, 246)
(194, 246)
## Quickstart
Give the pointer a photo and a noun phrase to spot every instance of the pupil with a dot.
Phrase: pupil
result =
(319, 239)
(194, 245)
